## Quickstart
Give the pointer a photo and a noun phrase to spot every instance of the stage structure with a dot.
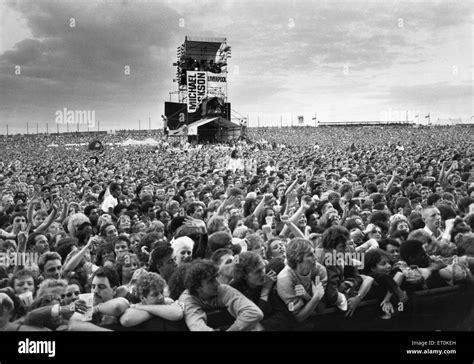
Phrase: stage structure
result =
(202, 112)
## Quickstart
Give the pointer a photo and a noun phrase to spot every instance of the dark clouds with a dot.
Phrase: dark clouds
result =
(288, 53)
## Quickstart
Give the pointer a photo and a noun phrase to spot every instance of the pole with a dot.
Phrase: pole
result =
(149, 122)
(57, 128)
(47, 128)
(36, 128)
(98, 125)
(27, 131)
(7, 129)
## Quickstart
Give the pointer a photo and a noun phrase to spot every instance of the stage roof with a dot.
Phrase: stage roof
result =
(205, 39)
(217, 120)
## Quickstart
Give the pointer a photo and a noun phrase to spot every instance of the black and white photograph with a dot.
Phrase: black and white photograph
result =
(298, 171)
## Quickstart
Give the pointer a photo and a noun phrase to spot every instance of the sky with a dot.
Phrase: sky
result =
(333, 60)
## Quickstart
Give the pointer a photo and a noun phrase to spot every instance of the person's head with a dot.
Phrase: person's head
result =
(150, 288)
(18, 221)
(432, 218)
(196, 210)
(255, 243)
(219, 240)
(38, 218)
(300, 253)
(125, 265)
(276, 248)
(108, 231)
(124, 222)
(182, 249)
(105, 281)
(376, 261)
(50, 291)
(23, 281)
(335, 238)
(7, 307)
(250, 269)
(375, 233)
(391, 246)
(201, 279)
(121, 245)
(224, 261)
(73, 291)
(162, 261)
(37, 243)
(50, 265)
(217, 223)
(413, 253)
(115, 189)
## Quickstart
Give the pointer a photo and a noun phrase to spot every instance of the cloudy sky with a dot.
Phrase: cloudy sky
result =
(344, 60)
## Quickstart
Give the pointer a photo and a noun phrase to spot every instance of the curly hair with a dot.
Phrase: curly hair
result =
(334, 236)
(253, 241)
(199, 270)
(51, 283)
(215, 224)
(150, 282)
(248, 261)
(296, 250)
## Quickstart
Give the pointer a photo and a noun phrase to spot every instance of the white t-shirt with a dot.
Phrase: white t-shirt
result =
(109, 201)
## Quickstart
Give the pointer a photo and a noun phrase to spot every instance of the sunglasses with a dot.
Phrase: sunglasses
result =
(70, 294)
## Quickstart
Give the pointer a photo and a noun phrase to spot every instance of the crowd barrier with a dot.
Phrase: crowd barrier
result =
(440, 309)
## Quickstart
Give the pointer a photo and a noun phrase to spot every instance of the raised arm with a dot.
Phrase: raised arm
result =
(48, 221)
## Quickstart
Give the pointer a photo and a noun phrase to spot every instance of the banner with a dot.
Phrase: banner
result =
(217, 84)
(196, 89)
(176, 115)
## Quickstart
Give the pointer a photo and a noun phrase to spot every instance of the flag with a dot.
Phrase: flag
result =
(427, 116)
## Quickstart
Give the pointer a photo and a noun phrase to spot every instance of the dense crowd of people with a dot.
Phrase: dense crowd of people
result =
(267, 231)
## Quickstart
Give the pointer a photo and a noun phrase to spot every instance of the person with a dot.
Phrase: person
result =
(153, 303)
(182, 249)
(224, 260)
(345, 286)
(386, 282)
(252, 278)
(432, 219)
(50, 265)
(162, 261)
(302, 282)
(204, 293)
(49, 308)
(106, 308)
(110, 199)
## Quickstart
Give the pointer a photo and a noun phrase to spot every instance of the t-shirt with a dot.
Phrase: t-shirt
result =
(288, 278)
(109, 202)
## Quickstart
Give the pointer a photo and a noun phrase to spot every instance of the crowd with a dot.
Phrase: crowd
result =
(268, 231)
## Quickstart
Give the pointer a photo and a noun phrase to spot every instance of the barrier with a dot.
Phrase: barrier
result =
(445, 309)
